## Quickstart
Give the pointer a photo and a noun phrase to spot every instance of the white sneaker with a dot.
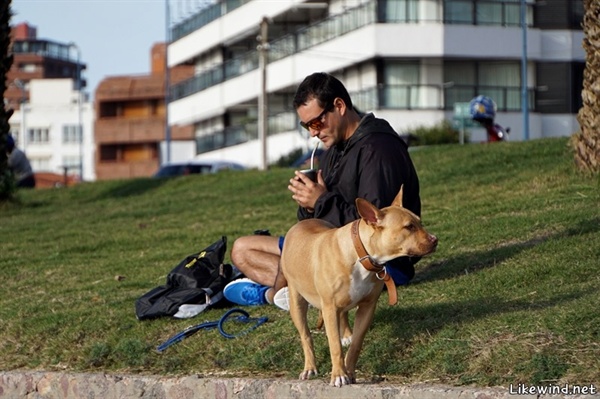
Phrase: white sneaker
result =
(281, 299)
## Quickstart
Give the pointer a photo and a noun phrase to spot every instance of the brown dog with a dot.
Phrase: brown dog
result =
(337, 269)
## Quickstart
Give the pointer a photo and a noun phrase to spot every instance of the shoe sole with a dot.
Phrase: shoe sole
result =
(282, 300)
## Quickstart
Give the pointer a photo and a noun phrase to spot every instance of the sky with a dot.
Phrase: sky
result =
(114, 36)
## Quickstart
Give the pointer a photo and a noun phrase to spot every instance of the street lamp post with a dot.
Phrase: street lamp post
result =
(79, 124)
(524, 97)
(263, 123)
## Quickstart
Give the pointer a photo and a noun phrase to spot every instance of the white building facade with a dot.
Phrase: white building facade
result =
(55, 128)
(408, 61)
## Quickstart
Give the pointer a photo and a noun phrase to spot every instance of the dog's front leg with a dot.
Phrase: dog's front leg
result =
(331, 317)
(298, 311)
(362, 321)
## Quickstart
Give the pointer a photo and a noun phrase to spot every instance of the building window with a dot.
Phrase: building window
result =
(500, 80)
(29, 68)
(71, 134)
(40, 164)
(401, 85)
(402, 10)
(486, 12)
(108, 153)
(70, 162)
(38, 136)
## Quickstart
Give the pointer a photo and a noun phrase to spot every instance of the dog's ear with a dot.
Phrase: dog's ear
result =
(367, 211)
(398, 200)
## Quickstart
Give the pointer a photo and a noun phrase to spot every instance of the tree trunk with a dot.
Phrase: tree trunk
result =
(7, 184)
(587, 142)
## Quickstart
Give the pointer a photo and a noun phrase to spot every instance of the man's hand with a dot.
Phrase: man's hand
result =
(306, 192)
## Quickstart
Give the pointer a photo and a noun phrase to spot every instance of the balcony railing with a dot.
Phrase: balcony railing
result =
(285, 46)
(43, 48)
(204, 17)
(400, 11)
(399, 97)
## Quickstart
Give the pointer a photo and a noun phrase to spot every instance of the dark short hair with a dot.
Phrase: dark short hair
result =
(10, 143)
(322, 86)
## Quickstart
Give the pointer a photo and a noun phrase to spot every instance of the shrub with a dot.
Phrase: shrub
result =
(442, 133)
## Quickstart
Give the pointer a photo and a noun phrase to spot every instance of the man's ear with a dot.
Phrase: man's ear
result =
(341, 105)
(368, 212)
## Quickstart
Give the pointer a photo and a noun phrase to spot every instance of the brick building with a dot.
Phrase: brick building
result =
(36, 58)
(130, 120)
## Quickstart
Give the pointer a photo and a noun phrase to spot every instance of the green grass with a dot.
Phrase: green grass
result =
(511, 295)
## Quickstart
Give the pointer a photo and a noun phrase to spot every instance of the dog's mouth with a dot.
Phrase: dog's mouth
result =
(425, 249)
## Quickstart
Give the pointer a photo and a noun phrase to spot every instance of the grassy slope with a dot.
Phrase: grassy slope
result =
(510, 296)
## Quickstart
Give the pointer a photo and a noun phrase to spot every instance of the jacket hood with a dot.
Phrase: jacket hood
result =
(369, 124)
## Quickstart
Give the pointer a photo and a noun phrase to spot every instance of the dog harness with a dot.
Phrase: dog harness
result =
(368, 263)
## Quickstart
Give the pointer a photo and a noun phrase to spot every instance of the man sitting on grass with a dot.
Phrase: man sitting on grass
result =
(365, 158)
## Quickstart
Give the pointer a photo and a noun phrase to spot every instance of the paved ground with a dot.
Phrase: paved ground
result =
(52, 385)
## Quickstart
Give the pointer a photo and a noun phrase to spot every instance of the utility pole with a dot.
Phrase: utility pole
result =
(263, 126)
(167, 83)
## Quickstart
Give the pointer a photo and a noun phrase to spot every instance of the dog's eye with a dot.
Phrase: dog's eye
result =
(410, 227)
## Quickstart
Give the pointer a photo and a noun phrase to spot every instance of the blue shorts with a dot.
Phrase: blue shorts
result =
(401, 272)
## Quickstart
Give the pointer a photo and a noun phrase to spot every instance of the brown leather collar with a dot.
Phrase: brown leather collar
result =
(366, 261)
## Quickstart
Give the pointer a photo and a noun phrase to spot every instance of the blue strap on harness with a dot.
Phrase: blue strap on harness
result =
(244, 317)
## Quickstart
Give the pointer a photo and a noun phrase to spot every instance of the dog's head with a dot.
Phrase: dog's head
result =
(396, 231)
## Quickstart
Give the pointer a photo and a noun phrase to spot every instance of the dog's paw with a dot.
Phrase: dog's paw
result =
(307, 374)
(340, 380)
(346, 341)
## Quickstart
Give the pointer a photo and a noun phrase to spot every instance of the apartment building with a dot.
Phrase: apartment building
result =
(130, 121)
(55, 122)
(53, 117)
(408, 61)
(36, 58)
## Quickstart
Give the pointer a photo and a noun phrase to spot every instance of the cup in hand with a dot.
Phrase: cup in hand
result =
(310, 173)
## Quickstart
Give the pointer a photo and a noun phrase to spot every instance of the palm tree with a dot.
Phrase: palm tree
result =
(6, 179)
(587, 142)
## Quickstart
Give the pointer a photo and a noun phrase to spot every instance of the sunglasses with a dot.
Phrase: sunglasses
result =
(316, 123)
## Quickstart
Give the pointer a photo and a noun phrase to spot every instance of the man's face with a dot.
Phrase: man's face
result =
(320, 122)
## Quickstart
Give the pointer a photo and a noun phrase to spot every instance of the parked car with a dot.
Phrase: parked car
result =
(195, 166)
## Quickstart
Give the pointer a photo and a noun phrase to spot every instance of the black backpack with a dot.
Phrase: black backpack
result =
(194, 284)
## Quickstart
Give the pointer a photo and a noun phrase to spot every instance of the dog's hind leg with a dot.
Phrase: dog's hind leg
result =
(298, 312)
(345, 330)
(362, 321)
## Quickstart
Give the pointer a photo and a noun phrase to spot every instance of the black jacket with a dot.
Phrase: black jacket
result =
(372, 164)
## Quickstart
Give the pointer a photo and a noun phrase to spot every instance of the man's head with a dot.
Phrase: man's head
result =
(322, 86)
(325, 108)
(10, 143)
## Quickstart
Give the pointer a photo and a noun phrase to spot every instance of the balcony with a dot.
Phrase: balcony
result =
(126, 169)
(398, 97)
(132, 130)
(331, 28)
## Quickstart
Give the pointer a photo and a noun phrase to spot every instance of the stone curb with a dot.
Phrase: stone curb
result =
(54, 385)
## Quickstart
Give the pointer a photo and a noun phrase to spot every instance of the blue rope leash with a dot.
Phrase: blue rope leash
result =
(244, 317)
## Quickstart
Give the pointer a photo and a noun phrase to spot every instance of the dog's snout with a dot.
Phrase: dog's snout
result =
(433, 239)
